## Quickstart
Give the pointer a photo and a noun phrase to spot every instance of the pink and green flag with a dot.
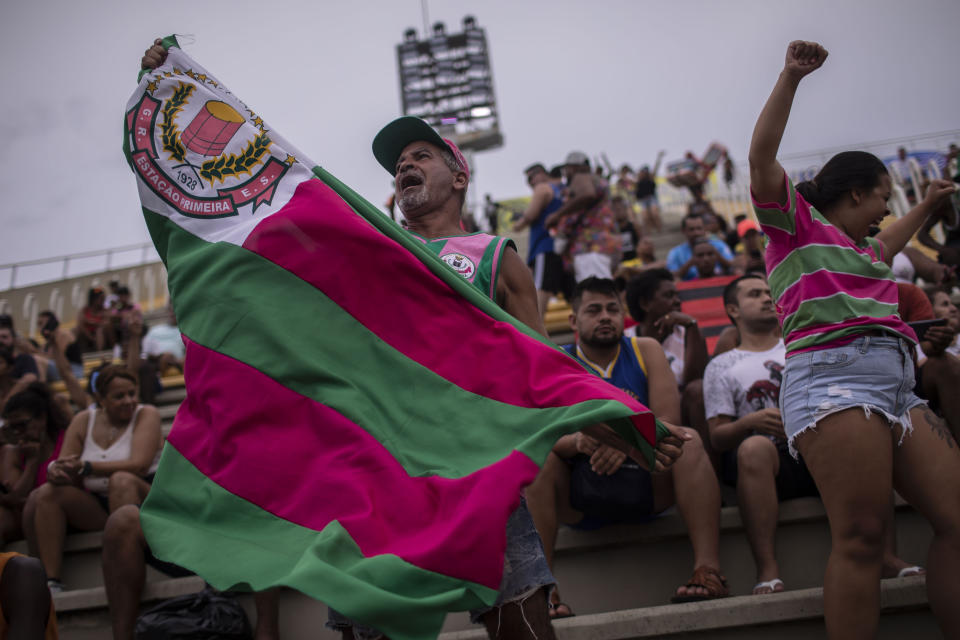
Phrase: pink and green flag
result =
(359, 420)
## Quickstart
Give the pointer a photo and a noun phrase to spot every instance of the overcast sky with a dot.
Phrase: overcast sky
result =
(624, 77)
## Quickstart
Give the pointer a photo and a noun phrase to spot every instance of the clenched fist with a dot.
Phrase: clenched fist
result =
(803, 58)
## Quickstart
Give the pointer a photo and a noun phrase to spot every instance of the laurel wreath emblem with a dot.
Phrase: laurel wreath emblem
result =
(225, 166)
(170, 135)
(216, 169)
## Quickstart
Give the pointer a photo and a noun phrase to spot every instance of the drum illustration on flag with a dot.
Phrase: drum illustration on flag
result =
(212, 128)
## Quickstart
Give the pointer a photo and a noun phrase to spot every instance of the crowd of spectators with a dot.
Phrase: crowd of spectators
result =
(588, 222)
(78, 449)
(84, 460)
(629, 328)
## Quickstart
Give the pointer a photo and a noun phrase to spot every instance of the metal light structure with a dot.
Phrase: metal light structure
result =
(446, 79)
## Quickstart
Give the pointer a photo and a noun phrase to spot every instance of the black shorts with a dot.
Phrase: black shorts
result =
(631, 485)
(548, 272)
(793, 481)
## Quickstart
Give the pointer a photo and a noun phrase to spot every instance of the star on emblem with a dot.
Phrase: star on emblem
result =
(258, 122)
(152, 86)
(202, 77)
(167, 74)
(290, 159)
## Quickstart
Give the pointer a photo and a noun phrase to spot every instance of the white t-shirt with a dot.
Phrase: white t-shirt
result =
(163, 338)
(740, 382)
(903, 269)
(673, 348)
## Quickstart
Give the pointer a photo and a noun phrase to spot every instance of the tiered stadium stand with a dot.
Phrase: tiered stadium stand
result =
(619, 579)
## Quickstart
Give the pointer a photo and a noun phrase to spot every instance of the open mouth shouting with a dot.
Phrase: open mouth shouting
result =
(409, 180)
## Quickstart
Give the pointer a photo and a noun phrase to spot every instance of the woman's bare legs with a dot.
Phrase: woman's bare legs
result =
(857, 501)
(926, 472)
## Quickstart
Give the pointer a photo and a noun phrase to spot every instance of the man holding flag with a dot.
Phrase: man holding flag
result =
(431, 181)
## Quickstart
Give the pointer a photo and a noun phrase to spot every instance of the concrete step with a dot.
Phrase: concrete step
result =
(659, 549)
(83, 614)
(173, 395)
(786, 616)
(167, 411)
(791, 614)
(642, 565)
(617, 568)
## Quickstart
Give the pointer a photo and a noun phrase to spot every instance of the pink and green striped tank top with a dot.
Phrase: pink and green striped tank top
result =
(475, 256)
(828, 290)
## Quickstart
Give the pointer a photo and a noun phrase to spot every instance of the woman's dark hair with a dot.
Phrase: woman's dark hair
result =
(37, 400)
(642, 288)
(101, 378)
(844, 172)
(933, 291)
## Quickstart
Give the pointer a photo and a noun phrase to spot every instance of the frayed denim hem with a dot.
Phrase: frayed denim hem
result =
(904, 421)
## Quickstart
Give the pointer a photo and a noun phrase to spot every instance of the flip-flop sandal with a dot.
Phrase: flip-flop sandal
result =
(769, 584)
(709, 579)
(556, 613)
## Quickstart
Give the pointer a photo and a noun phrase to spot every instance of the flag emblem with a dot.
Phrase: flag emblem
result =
(205, 170)
(460, 263)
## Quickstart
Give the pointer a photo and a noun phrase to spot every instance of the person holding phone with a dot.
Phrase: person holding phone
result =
(939, 360)
(110, 452)
(846, 399)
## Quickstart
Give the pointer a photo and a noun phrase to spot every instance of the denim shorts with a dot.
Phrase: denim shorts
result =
(875, 373)
(525, 572)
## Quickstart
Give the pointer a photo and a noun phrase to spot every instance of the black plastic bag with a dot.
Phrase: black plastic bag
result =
(209, 615)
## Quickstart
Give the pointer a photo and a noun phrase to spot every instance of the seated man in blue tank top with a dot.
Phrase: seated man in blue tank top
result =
(587, 485)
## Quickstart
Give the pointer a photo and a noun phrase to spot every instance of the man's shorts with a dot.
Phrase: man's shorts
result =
(793, 480)
(649, 201)
(598, 265)
(548, 274)
(874, 373)
(629, 501)
(525, 570)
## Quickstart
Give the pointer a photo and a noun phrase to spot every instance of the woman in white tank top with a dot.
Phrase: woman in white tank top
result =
(108, 454)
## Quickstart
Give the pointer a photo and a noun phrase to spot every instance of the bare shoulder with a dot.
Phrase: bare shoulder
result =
(513, 266)
(516, 292)
(648, 344)
(148, 412)
(78, 425)
(543, 189)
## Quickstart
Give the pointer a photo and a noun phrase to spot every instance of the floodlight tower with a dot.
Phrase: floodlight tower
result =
(446, 79)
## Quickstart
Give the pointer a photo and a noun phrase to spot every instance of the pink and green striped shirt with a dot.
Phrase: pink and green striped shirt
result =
(828, 289)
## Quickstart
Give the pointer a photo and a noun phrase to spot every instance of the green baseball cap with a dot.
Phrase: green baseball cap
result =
(393, 138)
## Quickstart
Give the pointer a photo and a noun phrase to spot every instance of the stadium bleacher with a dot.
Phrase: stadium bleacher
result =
(618, 579)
